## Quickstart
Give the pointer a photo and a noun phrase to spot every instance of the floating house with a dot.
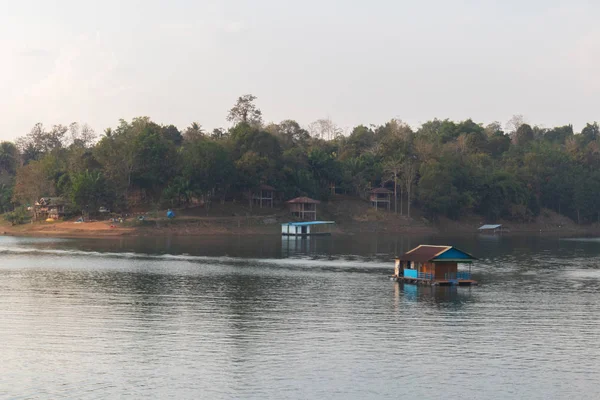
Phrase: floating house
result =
(490, 229)
(304, 208)
(381, 198)
(263, 196)
(434, 265)
(303, 229)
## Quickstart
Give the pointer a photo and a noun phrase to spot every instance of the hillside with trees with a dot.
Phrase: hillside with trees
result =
(444, 168)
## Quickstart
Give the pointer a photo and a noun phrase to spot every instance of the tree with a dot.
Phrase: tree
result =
(514, 123)
(289, 133)
(325, 129)
(172, 134)
(409, 174)
(523, 135)
(394, 167)
(117, 154)
(245, 111)
(32, 182)
(89, 191)
(590, 132)
(9, 158)
(193, 132)
(207, 167)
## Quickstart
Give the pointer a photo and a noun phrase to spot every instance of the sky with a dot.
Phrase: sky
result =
(355, 62)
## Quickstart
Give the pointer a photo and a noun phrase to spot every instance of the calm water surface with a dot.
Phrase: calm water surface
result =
(235, 317)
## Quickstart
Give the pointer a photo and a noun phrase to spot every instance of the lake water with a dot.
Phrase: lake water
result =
(255, 318)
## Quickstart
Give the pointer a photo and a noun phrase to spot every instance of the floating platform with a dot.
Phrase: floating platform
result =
(434, 282)
(305, 229)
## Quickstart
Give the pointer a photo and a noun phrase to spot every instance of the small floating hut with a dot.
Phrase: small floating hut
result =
(489, 228)
(304, 229)
(434, 265)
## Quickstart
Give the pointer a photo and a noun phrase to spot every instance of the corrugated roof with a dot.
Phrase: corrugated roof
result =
(486, 227)
(424, 253)
(306, 200)
(308, 223)
(381, 190)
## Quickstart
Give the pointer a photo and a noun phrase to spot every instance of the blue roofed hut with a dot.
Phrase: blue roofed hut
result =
(302, 229)
(434, 265)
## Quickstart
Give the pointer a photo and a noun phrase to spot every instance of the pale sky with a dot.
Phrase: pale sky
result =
(355, 62)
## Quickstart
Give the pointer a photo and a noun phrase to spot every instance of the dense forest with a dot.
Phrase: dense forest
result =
(445, 168)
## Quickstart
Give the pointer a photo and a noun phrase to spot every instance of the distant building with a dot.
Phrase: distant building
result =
(49, 207)
(263, 196)
(490, 228)
(305, 229)
(304, 208)
(381, 198)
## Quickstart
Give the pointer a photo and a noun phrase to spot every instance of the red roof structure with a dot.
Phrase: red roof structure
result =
(267, 188)
(425, 253)
(303, 200)
(381, 190)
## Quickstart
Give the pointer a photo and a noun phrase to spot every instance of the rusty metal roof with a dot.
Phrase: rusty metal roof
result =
(426, 253)
(305, 200)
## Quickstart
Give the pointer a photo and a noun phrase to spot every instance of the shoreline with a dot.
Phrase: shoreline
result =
(228, 227)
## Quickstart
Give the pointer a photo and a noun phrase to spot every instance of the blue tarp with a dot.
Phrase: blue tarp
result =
(307, 223)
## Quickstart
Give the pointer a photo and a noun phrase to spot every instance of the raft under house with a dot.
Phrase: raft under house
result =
(434, 265)
(305, 229)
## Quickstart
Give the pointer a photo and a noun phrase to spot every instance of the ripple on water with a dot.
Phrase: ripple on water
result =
(80, 325)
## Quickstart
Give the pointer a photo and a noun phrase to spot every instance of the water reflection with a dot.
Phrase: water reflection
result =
(236, 317)
(432, 295)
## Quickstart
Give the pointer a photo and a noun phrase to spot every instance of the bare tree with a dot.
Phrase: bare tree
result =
(324, 129)
(394, 167)
(409, 174)
(514, 123)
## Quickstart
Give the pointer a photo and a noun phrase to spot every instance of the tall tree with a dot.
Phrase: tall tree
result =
(245, 111)
(409, 174)
(394, 167)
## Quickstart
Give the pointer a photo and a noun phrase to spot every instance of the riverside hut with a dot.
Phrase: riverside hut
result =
(263, 196)
(434, 265)
(304, 208)
(48, 208)
(381, 198)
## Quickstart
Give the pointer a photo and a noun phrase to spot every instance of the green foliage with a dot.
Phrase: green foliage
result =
(448, 168)
(17, 217)
(89, 191)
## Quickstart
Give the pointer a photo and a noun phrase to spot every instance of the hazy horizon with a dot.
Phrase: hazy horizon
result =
(353, 62)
